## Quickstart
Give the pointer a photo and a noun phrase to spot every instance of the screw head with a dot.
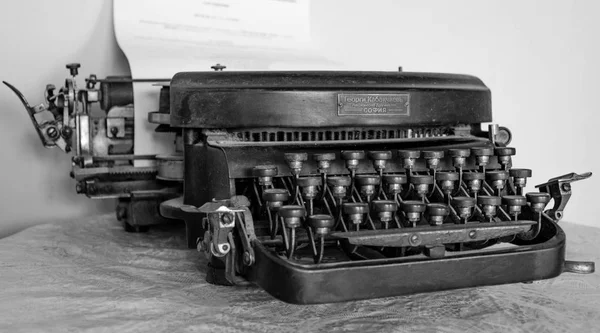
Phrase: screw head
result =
(472, 234)
(566, 187)
(415, 240)
(52, 132)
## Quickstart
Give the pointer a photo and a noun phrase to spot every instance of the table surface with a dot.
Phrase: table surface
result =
(90, 275)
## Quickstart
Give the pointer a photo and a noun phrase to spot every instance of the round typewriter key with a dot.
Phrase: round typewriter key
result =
(355, 211)
(504, 154)
(498, 179)
(520, 178)
(353, 154)
(367, 184)
(275, 197)
(447, 176)
(433, 158)
(520, 173)
(474, 181)
(339, 181)
(265, 171)
(309, 185)
(413, 211)
(409, 153)
(385, 205)
(394, 183)
(437, 213)
(488, 205)
(324, 161)
(324, 157)
(352, 208)
(463, 202)
(421, 184)
(446, 180)
(394, 179)
(413, 206)
(292, 218)
(265, 174)
(464, 207)
(380, 155)
(484, 151)
(514, 203)
(309, 181)
(339, 185)
(496, 175)
(367, 180)
(514, 200)
(385, 210)
(538, 200)
(468, 176)
(295, 161)
(505, 151)
(538, 197)
(380, 158)
(460, 152)
(459, 156)
(292, 215)
(352, 158)
(489, 200)
(482, 155)
(290, 211)
(321, 223)
(428, 154)
(409, 157)
(421, 180)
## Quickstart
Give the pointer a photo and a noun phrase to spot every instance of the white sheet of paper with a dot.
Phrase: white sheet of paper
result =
(161, 38)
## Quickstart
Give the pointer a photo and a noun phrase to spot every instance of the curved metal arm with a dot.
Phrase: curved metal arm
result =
(559, 189)
(31, 111)
(48, 131)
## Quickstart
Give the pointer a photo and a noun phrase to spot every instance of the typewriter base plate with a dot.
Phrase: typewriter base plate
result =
(337, 282)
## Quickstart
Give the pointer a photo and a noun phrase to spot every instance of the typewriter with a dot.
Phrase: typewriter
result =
(323, 186)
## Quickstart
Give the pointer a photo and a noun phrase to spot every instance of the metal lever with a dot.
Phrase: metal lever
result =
(49, 131)
(222, 221)
(579, 267)
(559, 189)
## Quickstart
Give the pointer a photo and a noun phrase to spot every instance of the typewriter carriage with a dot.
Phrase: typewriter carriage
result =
(296, 182)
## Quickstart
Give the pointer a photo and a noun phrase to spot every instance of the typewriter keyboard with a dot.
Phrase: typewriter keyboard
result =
(430, 209)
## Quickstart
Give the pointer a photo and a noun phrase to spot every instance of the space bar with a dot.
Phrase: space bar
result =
(435, 235)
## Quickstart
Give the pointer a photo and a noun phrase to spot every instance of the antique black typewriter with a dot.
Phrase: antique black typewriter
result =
(323, 186)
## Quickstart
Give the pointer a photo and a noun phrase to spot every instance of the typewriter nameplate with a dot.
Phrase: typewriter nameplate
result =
(373, 104)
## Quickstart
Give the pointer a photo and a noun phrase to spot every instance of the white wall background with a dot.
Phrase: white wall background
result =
(538, 57)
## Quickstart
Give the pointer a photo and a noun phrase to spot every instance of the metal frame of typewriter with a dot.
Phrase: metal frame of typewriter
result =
(323, 186)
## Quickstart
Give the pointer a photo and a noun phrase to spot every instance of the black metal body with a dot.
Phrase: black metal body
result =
(234, 121)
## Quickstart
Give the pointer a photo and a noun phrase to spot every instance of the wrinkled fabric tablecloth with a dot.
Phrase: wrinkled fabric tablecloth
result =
(90, 275)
